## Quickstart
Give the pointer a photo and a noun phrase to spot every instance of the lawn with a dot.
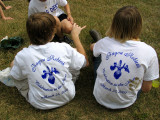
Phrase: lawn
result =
(95, 14)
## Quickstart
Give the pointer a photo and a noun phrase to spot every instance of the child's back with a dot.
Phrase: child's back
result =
(127, 65)
(46, 65)
(49, 78)
(123, 68)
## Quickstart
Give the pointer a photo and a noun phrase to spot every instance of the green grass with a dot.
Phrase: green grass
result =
(95, 14)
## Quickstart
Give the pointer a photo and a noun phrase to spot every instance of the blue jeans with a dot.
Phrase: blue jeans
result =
(96, 63)
(139, 92)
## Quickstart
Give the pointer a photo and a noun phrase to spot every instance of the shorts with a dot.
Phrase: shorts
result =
(62, 16)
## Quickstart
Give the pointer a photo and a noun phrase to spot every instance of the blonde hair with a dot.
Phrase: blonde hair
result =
(126, 24)
(41, 28)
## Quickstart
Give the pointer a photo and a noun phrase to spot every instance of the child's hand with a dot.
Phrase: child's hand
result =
(8, 7)
(69, 18)
(76, 29)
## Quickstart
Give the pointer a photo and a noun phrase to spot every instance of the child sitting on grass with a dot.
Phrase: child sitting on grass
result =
(1, 11)
(45, 72)
(123, 65)
(64, 21)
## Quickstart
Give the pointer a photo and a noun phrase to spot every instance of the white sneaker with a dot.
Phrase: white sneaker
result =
(5, 77)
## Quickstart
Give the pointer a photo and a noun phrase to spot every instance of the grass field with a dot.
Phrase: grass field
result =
(95, 14)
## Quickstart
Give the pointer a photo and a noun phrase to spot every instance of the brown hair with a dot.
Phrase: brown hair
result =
(126, 24)
(41, 28)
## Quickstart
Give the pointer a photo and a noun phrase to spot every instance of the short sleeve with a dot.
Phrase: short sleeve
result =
(77, 60)
(152, 72)
(29, 11)
(16, 71)
(31, 8)
(97, 49)
(62, 2)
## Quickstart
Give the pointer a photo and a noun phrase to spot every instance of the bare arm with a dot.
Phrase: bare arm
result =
(75, 36)
(146, 86)
(2, 4)
(5, 7)
(12, 63)
(1, 12)
(3, 16)
(68, 11)
(91, 46)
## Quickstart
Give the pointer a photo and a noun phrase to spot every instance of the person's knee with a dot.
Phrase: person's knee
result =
(66, 26)
(67, 29)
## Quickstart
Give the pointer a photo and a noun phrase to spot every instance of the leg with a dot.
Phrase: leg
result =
(66, 26)
(6, 78)
(139, 92)
(3, 16)
(63, 26)
(22, 87)
(95, 35)
(96, 60)
(96, 63)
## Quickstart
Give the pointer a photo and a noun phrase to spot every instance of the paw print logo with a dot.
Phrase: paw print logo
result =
(118, 72)
(48, 72)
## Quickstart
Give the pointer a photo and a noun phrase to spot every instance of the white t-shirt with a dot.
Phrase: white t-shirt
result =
(49, 6)
(47, 69)
(123, 68)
